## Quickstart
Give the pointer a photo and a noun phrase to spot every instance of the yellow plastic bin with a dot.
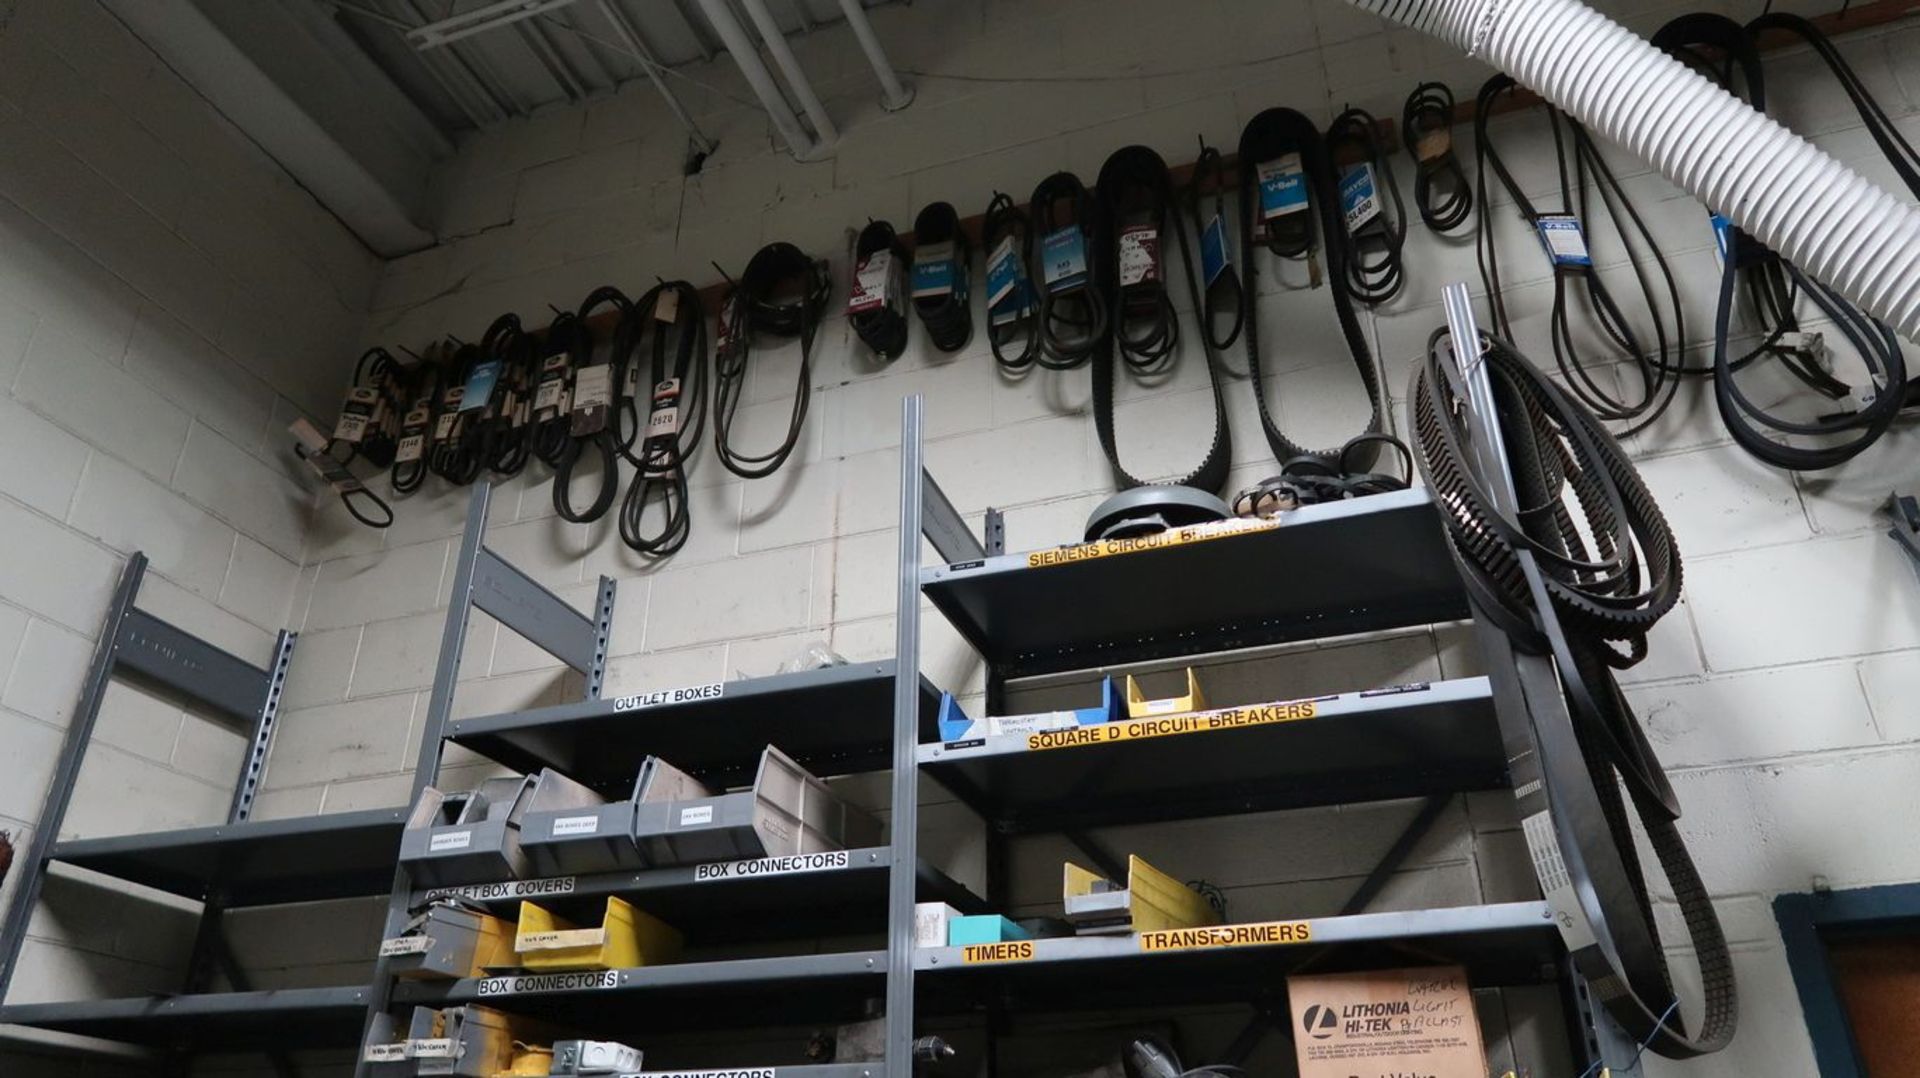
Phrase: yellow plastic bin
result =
(626, 937)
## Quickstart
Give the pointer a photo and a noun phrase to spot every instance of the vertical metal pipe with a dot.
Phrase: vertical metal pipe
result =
(734, 37)
(796, 77)
(651, 65)
(906, 739)
(894, 95)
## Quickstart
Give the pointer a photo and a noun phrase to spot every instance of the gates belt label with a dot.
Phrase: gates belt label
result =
(1197, 722)
(1262, 934)
(1107, 548)
(550, 982)
(1011, 951)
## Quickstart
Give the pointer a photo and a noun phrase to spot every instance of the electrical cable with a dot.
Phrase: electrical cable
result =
(1007, 237)
(1441, 190)
(1373, 238)
(1268, 143)
(592, 438)
(947, 315)
(1135, 187)
(1072, 314)
(1223, 292)
(883, 325)
(751, 308)
(676, 416)
(1581, 575)
(1658, 369)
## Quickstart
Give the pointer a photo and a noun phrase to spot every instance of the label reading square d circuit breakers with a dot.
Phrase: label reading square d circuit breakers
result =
(1394, 1023)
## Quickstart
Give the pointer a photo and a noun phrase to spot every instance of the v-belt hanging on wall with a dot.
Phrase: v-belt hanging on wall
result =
(941, 277)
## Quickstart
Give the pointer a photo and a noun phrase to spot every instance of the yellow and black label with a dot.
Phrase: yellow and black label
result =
(1195, 723)
(1011, 951)
(1106, 548)
(1262, 934)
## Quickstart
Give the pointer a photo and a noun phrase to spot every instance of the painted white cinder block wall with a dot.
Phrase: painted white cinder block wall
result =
(1775, 693)
(169, 301)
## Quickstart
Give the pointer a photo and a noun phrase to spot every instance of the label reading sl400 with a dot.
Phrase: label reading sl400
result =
(1359, 196)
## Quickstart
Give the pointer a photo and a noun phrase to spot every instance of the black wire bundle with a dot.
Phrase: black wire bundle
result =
(1269, 136)
(460, 433)
(882, 328)
(1658, 369)
(1224, 294)
(506, 445)
(753, 307)
(1440, 187)
(1013, 316)
(425, 388)
(948, 317)
(1581, 574)
(597, 445)
(1375, 270)
(1135, 185)
(1073, 317)
(674, 326)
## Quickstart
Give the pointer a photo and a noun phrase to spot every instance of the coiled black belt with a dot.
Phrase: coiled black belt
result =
(459, 432)
(1659, 370)
(948, 316)
(1373, 245)
(1440, 187)
(1270, 136)
(882, 328)
(1581, 576)
(1006, 232)
(1073, 317)
(1135, 189)
(506, 442)
(594, 440)
(749, 309)
(675, 417)
(416, 430)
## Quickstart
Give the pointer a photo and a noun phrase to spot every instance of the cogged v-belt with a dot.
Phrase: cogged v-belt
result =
(1135, 188)
(1270, 135)
(602, 445)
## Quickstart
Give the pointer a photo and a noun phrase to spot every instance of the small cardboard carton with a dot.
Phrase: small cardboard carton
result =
(1387, 1024)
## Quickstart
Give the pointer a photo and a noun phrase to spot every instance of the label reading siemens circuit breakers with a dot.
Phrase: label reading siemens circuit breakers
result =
(1359, 196)
(1565, 244)
(1063, 257)
(1283, 186)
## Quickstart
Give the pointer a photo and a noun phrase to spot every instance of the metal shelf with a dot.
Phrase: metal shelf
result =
(740, 900)
(217, 1021)
(1405, 741)
(1378, 562)
(729, 993)
(256, 863)
(1506, 944)
(834, 720)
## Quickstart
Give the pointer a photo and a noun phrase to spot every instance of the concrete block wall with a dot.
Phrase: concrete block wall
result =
(169, 302)
(1775, 692)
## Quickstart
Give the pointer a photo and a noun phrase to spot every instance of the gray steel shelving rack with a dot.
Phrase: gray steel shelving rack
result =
(1378, 563)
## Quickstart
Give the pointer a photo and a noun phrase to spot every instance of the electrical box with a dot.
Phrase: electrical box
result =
(1387, 1022)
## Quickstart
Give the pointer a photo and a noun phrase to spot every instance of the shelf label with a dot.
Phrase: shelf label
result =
(1011, 951)
(385, 1053)
(750, 1072)
(713, 690)
(1107, 548)
(488, 892)
(771, 866)
(1262, 934)
(549, 982)
(1198, 722)
(433, 1048)
(575, 825)
(450, 840)
(560, 939)
(399, 945)
(697, 814)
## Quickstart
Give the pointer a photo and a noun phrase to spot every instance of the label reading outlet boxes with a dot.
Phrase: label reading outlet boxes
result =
(1387, 1024)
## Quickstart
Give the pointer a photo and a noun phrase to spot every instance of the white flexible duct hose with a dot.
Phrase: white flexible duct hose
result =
(1818, 213)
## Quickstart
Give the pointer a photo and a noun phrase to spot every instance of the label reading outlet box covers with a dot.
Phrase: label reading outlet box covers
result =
(1386, 1024)
(450, 840)
(1283, 186)
(487, 892)
(1565, 244)
(575, 825)
(696, 815)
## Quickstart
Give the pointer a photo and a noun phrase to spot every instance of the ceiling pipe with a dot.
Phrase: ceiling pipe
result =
(894, 95)
(770, 32)
(747, 58)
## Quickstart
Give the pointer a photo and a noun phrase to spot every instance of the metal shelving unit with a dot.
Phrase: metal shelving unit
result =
(1378, 562)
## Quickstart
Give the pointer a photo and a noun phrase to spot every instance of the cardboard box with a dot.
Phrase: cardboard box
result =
(930, 920)
(1387, 1024)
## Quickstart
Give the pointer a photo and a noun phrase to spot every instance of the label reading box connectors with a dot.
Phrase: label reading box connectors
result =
(1213, 249)
(550, 982)
(770, 866)
(1011, 951)
(1359, 196)
(1565, 244)
(1283, 186)
(1208, 937)
(1063, 259)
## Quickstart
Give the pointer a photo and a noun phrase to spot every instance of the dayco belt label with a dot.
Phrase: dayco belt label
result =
(550, 982)
(1359, 196)
(1198, 722)
(713, 690)
(1012, 951)
(771, 866)
(487, 892)
(1263, 934)
(751, 1072)
(1171, 537)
